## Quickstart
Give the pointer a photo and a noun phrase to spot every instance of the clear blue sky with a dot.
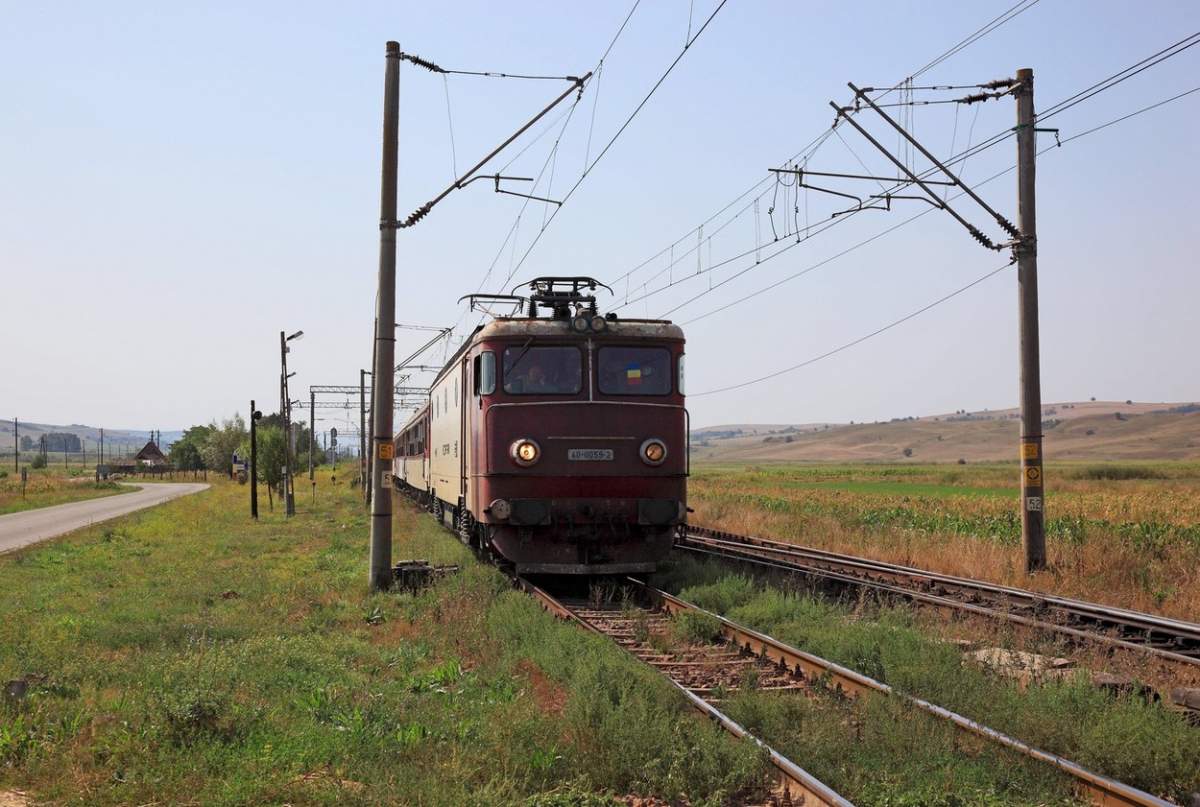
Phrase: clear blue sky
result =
(180, 182)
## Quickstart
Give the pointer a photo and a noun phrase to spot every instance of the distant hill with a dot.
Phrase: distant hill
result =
(1085, 430)
(90, 435)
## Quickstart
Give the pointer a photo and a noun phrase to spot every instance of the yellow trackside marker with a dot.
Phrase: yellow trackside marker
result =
(1029, 451)
(386, 451)
(1033, 475)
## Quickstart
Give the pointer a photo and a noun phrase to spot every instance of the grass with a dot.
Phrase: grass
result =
(50, 486)
(1126, 534)
(1125, 737)
(186, 655)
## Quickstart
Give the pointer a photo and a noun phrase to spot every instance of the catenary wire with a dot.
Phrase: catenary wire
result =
(860, 339)
(987, 28)
(996, 139)
(615, 137)
(909, 220)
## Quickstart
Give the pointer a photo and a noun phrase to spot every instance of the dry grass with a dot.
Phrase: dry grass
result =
(1130, 543)
(51, 486)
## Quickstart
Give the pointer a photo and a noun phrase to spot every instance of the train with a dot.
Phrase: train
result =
(556, 437)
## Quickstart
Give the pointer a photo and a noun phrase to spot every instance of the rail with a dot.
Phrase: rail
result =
(797, 784)
(1099, 790)
(1166, 638)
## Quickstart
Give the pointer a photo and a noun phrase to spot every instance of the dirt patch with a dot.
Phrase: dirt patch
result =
(549, 696)
(393, 632)
(14, 798)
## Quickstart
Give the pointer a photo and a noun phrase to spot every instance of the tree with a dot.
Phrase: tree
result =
(270, 459)
(26, 442)
(221, 442)
(187, 452)
(39, 461)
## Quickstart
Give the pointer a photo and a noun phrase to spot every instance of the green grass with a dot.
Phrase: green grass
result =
(1127, 738)
(186, 655)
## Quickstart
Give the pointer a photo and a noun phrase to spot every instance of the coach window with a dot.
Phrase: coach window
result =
(634, 370)
(549, 370)
(485, 373)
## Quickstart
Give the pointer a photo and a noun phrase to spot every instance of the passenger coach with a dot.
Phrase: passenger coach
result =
(559, 441)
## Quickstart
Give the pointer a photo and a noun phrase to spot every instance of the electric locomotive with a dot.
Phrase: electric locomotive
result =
(556, 437)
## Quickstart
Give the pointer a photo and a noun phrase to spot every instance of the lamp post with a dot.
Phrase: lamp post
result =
(285, 411)
(254, 416)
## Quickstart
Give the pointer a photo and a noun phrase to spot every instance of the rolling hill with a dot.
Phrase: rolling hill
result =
(1092, 430)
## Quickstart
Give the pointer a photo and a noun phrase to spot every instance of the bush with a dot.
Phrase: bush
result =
(39, 461)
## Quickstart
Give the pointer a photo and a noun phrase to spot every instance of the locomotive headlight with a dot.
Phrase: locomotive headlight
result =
(525, 452)
(654, 451)
(579, 323)
(599, 324)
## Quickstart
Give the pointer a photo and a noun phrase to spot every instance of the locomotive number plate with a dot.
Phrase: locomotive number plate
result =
(589, 454)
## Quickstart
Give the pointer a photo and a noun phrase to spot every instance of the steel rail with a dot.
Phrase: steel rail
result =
(795, 780)
(1098, 789)
(1158, 634)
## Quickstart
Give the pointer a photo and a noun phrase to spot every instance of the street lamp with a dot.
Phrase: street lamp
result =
(285, 411)
(254, 416)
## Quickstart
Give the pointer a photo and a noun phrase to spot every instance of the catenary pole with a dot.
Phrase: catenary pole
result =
(385, 332)
(1033, 500)
(16, 446)
(312, 434)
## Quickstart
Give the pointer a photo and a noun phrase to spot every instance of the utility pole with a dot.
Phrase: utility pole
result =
(16, 447)
(1033, 500)
(312, 434)
(362, 434)
(101, 460)
(254, 416)
(385, 332)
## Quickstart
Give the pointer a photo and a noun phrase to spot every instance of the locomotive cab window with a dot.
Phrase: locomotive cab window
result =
(485, 373)
(634, 370)
(548, 370)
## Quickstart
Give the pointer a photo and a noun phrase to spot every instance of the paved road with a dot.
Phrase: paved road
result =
(30, 526)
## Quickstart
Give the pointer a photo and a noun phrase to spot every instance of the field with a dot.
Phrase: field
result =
(50, 486)
(1123, 534)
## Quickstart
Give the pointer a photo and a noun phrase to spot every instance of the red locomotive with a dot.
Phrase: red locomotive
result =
(558, 442)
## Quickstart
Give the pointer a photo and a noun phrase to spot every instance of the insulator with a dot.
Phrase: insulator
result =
(419, 62)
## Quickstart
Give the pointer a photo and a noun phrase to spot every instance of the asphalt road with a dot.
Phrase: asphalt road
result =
(30, 526)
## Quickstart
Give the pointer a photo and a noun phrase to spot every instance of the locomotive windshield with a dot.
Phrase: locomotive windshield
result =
(635, 370)
(549, 370)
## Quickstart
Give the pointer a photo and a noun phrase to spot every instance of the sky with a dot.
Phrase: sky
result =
(180, 182)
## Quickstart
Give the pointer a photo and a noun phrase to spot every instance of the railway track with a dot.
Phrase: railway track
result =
(746, 657)
(702, 674)
(1169, 639)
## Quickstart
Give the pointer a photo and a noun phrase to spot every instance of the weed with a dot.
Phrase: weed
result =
(693, 627)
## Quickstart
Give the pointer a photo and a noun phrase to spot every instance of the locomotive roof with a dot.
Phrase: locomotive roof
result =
(618, 328)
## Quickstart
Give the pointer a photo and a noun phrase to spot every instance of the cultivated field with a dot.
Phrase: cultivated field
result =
(1127, 535)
